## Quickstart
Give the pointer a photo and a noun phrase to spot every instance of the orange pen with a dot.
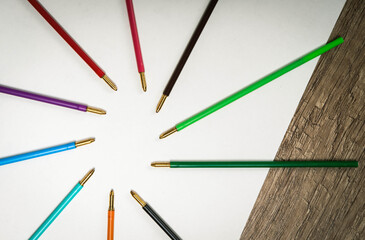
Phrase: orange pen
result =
(111, 216)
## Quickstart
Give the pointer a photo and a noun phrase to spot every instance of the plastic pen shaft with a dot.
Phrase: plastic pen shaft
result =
(56, 212)
(111, 216)
(110, 225)
(259, 83)
(185, 56)
(38, 153)
(43, 152)
(47, 16)
(61, 206)
(50, 100)
(254, 86)
(255, 164)
(189, 48)
(160, 222)
(136, 44)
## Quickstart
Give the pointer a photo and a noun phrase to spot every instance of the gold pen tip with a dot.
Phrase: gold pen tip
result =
(110, 82)
(138, 198)
(143, 81)
(111, 200)
(95, 110)
(161, 102)
(168, 132)
(87, 177)
(84, 142)
(160, 164)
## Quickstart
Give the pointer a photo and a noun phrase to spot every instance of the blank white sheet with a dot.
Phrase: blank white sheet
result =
(242, 42)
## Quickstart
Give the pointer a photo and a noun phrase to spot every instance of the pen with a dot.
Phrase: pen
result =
(160, 222)
(61, 206)
(50, 100)
(136, 44)
(73, 44)
(254, 164)
(46, 151)
(111, 216)
(189, 48)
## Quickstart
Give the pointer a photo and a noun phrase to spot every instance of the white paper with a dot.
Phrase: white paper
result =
(242, 42)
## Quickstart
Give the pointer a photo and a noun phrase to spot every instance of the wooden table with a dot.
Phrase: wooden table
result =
(328, 124)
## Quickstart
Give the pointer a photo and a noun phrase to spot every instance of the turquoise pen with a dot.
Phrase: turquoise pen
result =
(43, 152)
(61, 206)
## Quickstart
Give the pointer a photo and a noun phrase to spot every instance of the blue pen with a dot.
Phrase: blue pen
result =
(46, 151)
(61, 206)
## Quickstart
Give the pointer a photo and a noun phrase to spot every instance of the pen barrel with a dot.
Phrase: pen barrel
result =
(56, 212)
(42, 98)
(134, 31)
(262, 164)
(163, 225)
(189, 48)
(259, 83)
(38, 153)
(110, 225)
(47, 16)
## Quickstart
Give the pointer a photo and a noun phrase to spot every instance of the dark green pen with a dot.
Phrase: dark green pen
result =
(254, 164)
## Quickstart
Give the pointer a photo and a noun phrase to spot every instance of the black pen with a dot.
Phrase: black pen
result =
(149, 210)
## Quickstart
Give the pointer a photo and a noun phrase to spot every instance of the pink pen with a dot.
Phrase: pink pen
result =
(137, 46)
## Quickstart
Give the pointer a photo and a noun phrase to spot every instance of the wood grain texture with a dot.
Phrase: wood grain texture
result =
(328, 124)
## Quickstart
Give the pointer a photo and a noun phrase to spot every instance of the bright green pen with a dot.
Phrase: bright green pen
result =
(313, 54)
(61, 206)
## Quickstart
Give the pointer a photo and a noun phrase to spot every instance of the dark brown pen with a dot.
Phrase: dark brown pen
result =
(180, 65)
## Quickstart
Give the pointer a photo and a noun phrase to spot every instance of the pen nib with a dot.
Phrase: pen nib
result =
(160, 164)
(160, 103)
(143, 81)
(84, 142)
(138, 198)
(168, 132)
(110, 82)
(95, 110)
(86, 177)
(111, 200)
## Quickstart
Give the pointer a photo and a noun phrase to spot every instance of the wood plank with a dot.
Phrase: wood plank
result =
(328, 124)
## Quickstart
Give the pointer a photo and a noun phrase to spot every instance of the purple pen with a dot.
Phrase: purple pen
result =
(50, 100)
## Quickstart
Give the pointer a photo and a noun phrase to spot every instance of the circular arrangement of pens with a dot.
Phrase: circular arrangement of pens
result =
(177, 128)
